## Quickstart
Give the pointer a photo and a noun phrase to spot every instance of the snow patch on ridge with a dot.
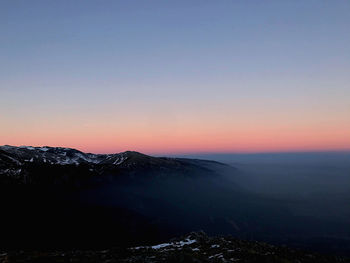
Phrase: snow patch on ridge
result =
(120, 160)
(44, 149)
(178, 244)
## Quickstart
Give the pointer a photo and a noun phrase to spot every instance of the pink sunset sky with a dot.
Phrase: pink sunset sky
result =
(180, 77)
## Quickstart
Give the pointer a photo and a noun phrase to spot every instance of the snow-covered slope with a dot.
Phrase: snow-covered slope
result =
(52, 155)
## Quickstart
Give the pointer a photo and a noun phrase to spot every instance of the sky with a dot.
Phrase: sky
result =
(176, 76)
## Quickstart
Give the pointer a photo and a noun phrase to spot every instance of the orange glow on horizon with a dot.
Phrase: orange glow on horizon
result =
(185, 134)
(243, 141)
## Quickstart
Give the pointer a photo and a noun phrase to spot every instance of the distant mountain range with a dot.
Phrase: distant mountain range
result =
(56, 165)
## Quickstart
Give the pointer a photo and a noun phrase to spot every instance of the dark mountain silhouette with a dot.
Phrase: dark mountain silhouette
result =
(53, 197)
(65, 166)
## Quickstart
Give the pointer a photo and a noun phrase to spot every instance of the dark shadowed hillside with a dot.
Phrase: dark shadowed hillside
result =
(58, 197)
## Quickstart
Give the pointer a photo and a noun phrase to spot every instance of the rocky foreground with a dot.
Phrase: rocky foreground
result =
(196, 247)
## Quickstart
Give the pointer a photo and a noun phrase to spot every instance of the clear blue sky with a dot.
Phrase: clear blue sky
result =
(176, 76)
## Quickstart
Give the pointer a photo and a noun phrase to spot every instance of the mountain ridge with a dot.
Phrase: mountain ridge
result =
(23, 163)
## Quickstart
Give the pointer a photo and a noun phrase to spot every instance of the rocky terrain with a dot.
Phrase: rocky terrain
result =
(195, 247)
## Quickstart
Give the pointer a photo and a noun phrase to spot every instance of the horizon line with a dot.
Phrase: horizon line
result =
(158, 153)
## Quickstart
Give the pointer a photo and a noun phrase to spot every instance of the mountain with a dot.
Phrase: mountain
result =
(62, 166)
(52, 197)
(57, 197)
